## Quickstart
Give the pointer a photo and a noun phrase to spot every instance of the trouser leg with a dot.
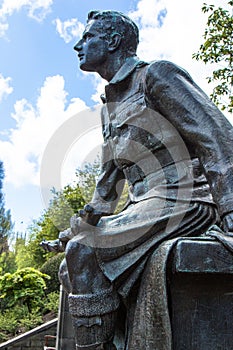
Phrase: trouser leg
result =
(93, 302)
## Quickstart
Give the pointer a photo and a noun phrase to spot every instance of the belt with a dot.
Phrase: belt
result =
(155, 162)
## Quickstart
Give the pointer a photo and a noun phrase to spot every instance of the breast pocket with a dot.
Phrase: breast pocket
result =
(136, 130)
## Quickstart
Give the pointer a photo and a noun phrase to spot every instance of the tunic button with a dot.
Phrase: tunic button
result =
(112, 115)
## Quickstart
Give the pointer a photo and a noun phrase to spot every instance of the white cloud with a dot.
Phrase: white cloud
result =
(176, 40)
(170, 30)
(5, 88)
(182, 30)
(36, 9)
(99, 86)
(3, 27)
(69, 29)
(35, 125)
(179, 36)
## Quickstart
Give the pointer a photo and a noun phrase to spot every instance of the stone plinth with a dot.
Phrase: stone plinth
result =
(201, 296)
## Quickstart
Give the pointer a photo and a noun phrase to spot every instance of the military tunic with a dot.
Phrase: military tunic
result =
(161, 135)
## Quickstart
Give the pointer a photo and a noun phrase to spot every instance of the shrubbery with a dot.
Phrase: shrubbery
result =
(24, 301)
(17, 320)
(51, 268)
(29, 285)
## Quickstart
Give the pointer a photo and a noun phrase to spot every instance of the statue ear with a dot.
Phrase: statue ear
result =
(114, 42)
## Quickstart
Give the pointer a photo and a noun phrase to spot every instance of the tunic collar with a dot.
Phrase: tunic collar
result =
(128, 67)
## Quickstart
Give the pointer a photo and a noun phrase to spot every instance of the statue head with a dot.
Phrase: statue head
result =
(112, 22)
(109, 38)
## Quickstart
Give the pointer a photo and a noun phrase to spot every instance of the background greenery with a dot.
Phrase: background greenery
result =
(29, 285)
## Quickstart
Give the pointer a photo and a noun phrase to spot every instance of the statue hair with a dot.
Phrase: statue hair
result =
(116, 22)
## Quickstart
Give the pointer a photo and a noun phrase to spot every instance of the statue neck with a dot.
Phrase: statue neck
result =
(111, 66)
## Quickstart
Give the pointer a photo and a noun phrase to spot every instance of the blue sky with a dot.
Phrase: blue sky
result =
(41, 86)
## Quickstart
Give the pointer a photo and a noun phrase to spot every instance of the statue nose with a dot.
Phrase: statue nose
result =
(78, 46)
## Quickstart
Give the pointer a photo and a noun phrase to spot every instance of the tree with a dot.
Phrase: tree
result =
(7, 262)
(56, 218)
(23, 256)
(87, 178)
(218, 48)
(5, 217)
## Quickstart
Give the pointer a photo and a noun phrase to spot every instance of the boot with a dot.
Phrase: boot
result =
(94, 319)
(94, 333)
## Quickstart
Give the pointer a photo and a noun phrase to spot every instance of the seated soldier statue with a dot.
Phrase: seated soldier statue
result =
(173, 146)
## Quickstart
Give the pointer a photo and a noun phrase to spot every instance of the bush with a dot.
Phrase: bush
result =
(8, 324)
(24, 302)
(51, 268)
(23, 287)
(18, 320)
(52, 303)
(30, 321)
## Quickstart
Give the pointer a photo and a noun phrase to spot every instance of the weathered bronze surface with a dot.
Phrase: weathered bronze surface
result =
(173, 146)
(201, 296)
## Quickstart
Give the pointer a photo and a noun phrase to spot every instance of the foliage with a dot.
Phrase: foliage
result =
(87, 178)
(7, 262)
(23, 256)
(30, 320)
(27, 287)
(52, 302)
(5, 217)
(218, 48)
(23, 287)
(65, 204)
(9, 322)
(17, 320)
(5, 228)
(9, 318)
(51, 268)
(55, 219)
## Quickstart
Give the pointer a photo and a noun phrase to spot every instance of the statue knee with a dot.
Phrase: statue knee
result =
(64, 276)
(79, 256)
(84, 271)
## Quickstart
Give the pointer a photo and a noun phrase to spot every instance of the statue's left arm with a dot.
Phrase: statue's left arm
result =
(108, 188)
(172, 92)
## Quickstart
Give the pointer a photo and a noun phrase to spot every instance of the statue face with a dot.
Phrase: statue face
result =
(92, 48)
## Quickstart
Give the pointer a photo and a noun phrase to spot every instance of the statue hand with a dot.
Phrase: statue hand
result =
(227, 222)
(90, 215)
(66, 235)
(51, 246)
(75, 224)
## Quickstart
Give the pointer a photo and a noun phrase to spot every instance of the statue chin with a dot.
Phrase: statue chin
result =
(84, 66)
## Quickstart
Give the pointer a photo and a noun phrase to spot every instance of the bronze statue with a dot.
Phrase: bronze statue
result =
(173, 146)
